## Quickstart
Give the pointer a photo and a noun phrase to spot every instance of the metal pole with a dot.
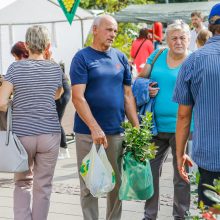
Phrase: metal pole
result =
(1, 62)
(167, 1)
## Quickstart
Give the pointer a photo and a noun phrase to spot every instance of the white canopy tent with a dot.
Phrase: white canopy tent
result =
(20, 14)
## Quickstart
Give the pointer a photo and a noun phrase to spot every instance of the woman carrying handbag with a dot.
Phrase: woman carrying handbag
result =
(35, 84)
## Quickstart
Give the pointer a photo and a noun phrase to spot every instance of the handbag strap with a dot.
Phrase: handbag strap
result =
(139, 48)
(9, 124)
(154, 60)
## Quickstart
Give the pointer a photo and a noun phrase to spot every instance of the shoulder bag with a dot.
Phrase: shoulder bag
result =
(154, 60)
(139, 48)
(13, 156)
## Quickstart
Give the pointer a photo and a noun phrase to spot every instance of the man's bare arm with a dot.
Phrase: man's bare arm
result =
(182, 134)
(85, 114)
(130, 106)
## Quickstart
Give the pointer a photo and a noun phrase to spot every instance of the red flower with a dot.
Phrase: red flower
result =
(208, 216)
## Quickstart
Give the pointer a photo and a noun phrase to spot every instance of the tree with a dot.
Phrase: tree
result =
(110, 5)
(174, 1)
(126, 31)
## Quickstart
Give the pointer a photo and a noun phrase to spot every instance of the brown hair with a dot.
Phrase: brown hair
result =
(20, 50)
(203, 36)
(214, 28)
(197, 13)
(143, 33)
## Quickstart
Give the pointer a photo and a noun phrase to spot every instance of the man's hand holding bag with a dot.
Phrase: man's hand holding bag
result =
(97, 172)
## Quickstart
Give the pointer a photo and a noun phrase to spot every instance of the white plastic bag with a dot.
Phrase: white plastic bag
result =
(97, 172)
(108, 167)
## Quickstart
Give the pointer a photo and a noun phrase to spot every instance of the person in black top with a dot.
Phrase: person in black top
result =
(61, 106)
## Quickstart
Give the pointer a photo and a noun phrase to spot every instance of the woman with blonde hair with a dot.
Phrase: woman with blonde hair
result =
(202, 37)
(35, 83)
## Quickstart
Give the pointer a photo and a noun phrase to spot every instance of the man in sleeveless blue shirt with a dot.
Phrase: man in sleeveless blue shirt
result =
(102, 95)
(197, 89)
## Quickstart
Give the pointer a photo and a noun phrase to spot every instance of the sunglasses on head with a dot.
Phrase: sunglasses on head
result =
(214, 20)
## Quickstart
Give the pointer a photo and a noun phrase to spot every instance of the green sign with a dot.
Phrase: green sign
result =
(69, 8)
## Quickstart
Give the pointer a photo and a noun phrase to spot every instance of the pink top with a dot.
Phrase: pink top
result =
(144, 52)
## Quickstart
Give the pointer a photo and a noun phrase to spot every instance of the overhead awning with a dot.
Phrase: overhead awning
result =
(66, 40)
(164, 13)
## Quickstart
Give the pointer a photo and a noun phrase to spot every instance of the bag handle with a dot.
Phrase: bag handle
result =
(139, 48)
(154, 60)
(9, 124)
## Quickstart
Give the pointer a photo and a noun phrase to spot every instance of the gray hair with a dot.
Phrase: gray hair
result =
(178, 25)
(97, 21)
(37, 38)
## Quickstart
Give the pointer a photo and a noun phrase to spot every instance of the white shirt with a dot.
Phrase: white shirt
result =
(193, 37)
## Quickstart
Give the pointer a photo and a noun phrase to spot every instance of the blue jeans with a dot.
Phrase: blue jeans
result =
(156, 45)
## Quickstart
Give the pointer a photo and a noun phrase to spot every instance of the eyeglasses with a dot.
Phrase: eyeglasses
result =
(214, 20)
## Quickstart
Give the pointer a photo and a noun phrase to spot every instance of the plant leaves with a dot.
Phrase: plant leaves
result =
(138, 140)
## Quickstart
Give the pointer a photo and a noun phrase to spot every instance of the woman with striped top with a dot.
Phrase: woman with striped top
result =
(35, 83)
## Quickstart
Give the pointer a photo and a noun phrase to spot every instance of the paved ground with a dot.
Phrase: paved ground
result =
(65, 203)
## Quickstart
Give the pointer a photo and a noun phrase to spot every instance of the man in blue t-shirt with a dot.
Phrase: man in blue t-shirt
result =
(101, 91)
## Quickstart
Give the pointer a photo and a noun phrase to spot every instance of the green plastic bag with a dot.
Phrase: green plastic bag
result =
(137, 180)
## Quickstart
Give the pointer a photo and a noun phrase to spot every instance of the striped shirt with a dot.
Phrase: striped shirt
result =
(35, 83)
(198, 85)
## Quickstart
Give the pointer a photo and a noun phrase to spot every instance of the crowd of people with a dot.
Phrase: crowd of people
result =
(185, 84)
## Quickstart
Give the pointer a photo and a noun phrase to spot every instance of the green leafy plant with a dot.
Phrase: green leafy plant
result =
(208, 213)
(138, 140)
(111, 5)
(214, 195)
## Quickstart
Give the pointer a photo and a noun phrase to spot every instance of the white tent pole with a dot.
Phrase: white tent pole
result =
(1, 70)
(82, 30)
(53, 35)
(11, 39)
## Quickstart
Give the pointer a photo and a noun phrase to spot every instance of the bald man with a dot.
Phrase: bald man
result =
(102, 95)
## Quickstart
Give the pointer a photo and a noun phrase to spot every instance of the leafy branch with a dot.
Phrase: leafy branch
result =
(138, 140)
(214, 195)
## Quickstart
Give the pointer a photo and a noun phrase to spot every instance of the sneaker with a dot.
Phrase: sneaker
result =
(63, 153)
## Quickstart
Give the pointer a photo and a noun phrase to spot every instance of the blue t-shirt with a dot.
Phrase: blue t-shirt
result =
(165, 109)
(105, 74)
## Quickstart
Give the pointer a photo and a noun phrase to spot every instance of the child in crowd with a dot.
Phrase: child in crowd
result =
(202, 37)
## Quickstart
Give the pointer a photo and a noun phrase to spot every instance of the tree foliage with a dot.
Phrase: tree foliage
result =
(126, 31)
(110, 5)
(126, 34)
(176, 1)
